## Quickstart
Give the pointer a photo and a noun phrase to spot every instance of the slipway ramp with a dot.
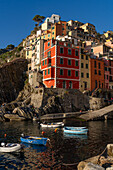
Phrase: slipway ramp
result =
(104, 113)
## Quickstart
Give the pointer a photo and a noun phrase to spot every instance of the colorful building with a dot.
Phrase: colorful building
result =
(60, 65)
(96, 71)
(84, 70)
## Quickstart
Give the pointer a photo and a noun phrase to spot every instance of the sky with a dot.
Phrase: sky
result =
(16, 16)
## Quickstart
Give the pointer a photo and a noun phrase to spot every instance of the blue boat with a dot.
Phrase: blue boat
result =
(75, 130)
(34, 140)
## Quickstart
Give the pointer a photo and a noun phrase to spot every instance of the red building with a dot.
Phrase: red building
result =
(60, 64)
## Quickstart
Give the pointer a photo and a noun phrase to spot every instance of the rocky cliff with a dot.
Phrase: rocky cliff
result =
(12, 78)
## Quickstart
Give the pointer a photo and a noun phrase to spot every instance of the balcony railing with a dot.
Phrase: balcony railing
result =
(49, 64)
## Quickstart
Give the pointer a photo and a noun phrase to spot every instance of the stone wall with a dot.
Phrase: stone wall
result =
(51, 100)
(97, 103)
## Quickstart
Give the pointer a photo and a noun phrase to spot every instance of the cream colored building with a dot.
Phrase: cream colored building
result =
(84, 71)
(49, 21)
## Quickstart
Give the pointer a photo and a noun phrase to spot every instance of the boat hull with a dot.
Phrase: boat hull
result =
(34, 140)
(10, 147)
(75, 130)
(53, 125)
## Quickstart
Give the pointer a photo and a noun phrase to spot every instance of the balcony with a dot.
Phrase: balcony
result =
(49, 64)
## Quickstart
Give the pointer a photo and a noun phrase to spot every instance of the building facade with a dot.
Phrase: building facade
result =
(60, 65)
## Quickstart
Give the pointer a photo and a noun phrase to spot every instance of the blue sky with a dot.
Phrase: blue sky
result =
(16, 16)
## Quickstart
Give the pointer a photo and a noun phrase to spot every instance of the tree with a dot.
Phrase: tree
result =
(39, 19)
(10, 46)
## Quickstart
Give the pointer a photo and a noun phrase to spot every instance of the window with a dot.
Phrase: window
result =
(47, 20)
(95, 71)
(95, 83)
(43, 63)
(69, 45)
(82, 65)
(70, 84)
(82, 74)
(48, 44)
(86, 65)
(32, 40)
(53, 33)
(48, 71)
(61, 72)
(27, 52)
(95, 64)
(69, 72)
(76, 63)
(99, 72)
(82, 57)
(48, 35)
(45, 72)
(69, 51)
(76, 52)
(76, 73)
(99, 84)
(107, 77)
(61, 61)
(64, 84)
(44, 36)
(62, 28)
(31, 76)
(61, 50)
(87, 75)
(99, 65)
(69, 62)
(91, 50)
(49, 54)
(52, 28)
(86, 57)
(105, 68)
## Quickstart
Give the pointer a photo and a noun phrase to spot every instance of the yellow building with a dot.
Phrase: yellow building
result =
(28, 45)
(84, 71)
(89, 28)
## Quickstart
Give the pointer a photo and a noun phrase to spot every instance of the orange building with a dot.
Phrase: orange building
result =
(96, 71)
(56, 29)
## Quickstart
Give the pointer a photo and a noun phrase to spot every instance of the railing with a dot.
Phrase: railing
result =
(49, 64)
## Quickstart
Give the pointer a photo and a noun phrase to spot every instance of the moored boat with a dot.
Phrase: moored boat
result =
(53, 125)
(10, 147)
(34, 140)
(74, 130)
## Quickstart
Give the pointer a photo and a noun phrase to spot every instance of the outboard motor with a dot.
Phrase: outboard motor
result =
(22, 135)
(3, 144)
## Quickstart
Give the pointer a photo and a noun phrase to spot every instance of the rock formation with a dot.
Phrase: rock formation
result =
(100, 162)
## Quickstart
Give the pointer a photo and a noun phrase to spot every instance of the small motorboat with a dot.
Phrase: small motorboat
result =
(53, 125)
(10, 147)
(34, 140)
(74, 130)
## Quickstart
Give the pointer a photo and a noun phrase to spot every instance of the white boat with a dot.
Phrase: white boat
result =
(10, 147)
(74, 130)
(52, 125)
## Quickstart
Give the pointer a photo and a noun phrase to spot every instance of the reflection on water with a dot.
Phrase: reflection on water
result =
(66, 135)
(35, 147)
(63, 148)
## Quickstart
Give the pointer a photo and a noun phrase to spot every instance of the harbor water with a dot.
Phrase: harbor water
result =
(63, 151)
